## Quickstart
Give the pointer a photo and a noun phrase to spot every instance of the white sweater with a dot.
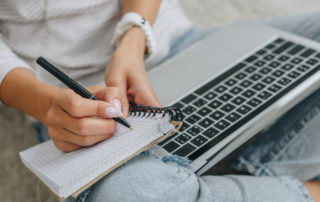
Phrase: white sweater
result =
(74, 34)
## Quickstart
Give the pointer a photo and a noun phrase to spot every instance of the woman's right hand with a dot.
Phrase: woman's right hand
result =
(75, 122)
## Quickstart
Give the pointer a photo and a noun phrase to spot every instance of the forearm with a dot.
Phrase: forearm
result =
(22, 90)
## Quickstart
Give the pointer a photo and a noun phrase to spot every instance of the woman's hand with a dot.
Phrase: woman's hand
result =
(75, 122)
(127, 72)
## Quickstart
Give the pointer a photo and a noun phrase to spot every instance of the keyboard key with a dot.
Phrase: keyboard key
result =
(293, 74)
(264, 95)
(220, 89)
(199, 140)
(243, 109)
(222, 124)
(205, 123)
(189, 110)
(193, 118)
(274, 64)
(204, 111)
(296, 49)
(189, 99)
(307, 53)
(240, 75)
(283, 47)
(238, 100)
(254, 102)
(274, 88)
(283, 58)
(259, 63)
(255, 77)
(296, 60)
(215, 104)
(318, 55)
(258, 86)
(261, 52)
(287, 67)
(279, 40)
(268, 57)
(227, 108)
(171, 146)
(178, 105)
(245, 83)
(184, 126)
(183, 138)
(270, 46)
(268, 80)
(265, 70)
(250, 69)
(303, 68)
(199, 102)
(284, 81)
(312, 61)
(225, 97)
(235, 90)
(251, 58)
(195, 130)
(217, 115)
(248, 93)
(231, 82)
(277, 73)
(185, 150)
(233, 117)
(210, 133)
(210, 95)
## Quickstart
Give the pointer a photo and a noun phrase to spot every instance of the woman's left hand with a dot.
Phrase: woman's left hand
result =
(126, 71)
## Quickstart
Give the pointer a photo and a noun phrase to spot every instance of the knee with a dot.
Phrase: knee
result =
(144, 178)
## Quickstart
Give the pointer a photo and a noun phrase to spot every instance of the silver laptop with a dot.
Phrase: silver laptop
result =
(232, 85)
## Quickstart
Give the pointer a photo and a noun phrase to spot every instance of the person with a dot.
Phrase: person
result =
(77, 38)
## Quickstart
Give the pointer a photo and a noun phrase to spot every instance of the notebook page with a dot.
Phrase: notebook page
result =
(65, 173)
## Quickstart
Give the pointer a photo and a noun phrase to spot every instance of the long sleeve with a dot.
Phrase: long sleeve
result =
(9, 60)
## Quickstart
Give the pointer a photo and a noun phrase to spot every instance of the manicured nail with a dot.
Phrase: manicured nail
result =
(117, 104)
(112, 112)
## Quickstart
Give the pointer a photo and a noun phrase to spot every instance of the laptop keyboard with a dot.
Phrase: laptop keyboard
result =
(229, 101)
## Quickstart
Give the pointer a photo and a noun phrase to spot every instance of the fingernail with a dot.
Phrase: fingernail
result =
(112, 112)
(117, 104)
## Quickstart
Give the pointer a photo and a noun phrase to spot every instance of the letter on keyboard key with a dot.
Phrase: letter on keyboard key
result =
(205, 123)
(199, 140)
(185, 150)
(222, 124)
(183, 138)
(195, 130)
(211, 132)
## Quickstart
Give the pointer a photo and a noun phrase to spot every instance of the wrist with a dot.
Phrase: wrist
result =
(133, 42)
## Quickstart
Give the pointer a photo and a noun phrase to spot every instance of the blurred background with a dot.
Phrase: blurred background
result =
(17, 134)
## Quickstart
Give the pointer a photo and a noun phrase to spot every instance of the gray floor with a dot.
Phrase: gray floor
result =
(17, 134)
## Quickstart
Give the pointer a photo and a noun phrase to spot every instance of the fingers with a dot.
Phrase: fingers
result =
(61, 134)
(77, 106)
(86, 126)
(116, 93)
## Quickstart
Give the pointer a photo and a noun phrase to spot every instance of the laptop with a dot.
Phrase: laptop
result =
(231, 85)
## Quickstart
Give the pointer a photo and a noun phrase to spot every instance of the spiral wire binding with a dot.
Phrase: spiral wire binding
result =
(147, 111)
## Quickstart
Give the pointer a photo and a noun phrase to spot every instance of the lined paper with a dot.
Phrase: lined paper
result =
(65, 173)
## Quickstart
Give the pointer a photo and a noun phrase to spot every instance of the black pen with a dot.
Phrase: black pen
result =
(74, 85)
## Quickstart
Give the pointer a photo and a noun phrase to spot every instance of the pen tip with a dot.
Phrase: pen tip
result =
(130, 128)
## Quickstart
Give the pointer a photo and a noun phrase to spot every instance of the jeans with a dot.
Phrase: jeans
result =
(278, 161)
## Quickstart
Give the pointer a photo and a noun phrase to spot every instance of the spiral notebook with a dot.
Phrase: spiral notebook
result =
(68, 174)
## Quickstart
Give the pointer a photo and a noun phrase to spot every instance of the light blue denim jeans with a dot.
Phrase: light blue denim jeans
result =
(278, 161)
